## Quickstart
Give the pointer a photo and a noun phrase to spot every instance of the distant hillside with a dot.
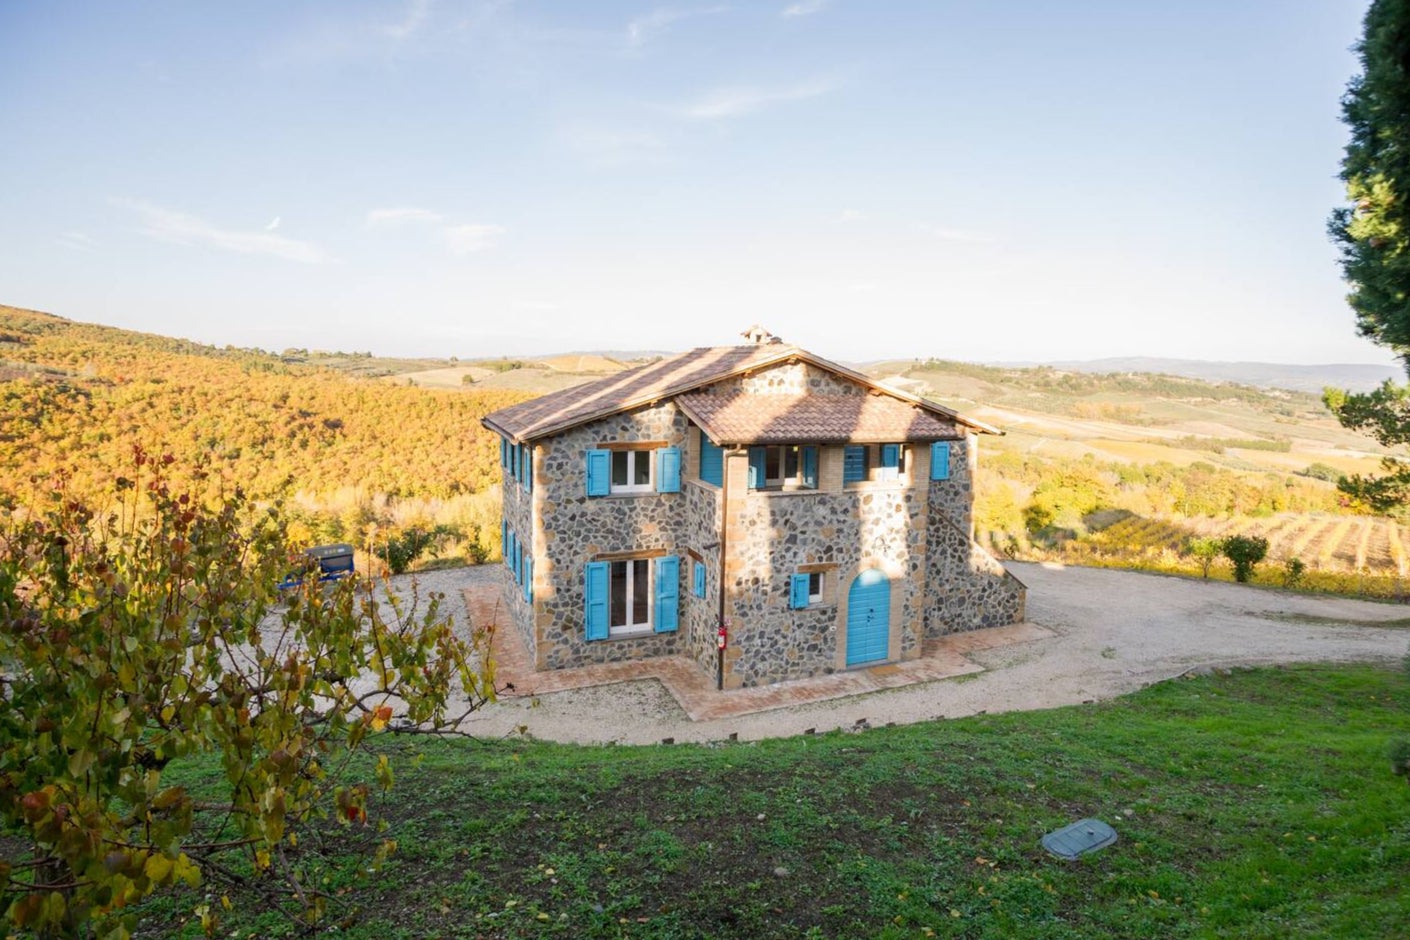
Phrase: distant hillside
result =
(79, 395)
(1358, 377)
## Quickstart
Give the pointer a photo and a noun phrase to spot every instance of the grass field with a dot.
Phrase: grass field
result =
(1251, 804)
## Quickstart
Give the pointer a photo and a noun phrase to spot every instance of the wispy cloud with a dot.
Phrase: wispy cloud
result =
(746, 99)
(804, 8)
(468, 239)
(76, 240)
(949, 234)
(273, 224)
(643, 28)
(401, 215)
(182, 228)
(850, 215)
(416, 13)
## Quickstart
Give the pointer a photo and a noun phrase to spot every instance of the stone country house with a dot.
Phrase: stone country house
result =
(825, 519)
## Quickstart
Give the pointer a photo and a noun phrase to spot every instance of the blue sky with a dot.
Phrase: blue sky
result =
(967, 180)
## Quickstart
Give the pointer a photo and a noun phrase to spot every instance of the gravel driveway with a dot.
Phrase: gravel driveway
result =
(1117, 631)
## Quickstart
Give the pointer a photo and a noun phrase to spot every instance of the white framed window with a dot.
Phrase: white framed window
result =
(632, 471)
(815, 587)
(629, 596)
(783, 467)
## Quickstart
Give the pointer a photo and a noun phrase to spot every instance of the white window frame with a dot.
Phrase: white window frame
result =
(785, 482)
(633, 456)
(815, 587)
(630, 628)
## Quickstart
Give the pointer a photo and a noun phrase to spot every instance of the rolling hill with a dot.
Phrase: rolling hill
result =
(1119, 467)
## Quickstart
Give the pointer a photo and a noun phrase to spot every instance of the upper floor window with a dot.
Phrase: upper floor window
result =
(631, 471)
(518, 462)
(878, 462)
(712, 468)
(783, 466)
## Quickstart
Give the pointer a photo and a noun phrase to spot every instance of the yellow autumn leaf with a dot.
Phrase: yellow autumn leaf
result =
(187, 871)
(158, 868)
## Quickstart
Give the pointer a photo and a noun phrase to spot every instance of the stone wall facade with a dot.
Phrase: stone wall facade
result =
(776, 535)
(700, 541)
(575, 529)
(789, 378)
(914, 530)
(967, 588)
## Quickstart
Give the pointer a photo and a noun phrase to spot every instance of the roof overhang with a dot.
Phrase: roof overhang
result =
(614, 395)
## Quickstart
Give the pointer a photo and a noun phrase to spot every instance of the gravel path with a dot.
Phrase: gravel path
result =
(1117, 631)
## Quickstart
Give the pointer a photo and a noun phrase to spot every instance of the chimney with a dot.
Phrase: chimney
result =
(759, 336)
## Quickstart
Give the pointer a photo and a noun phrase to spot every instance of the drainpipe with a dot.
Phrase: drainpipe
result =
(724, 543)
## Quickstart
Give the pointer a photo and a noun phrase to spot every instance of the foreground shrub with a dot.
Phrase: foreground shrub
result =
(151, 632)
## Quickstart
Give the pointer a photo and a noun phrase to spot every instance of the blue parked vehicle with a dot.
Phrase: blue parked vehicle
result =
(331, 562)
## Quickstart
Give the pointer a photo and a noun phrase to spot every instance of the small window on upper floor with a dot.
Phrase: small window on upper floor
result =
(784, 467)
(631, 471)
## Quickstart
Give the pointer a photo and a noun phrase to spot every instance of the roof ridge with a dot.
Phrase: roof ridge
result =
(668, 377)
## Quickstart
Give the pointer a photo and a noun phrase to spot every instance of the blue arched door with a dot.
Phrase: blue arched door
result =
(868, 618)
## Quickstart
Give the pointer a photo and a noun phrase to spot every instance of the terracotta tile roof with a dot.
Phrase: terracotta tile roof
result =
(678, 375)
(823, 419)
(642, 385)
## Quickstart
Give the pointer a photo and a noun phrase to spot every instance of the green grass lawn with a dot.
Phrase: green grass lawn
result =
(1253, 804)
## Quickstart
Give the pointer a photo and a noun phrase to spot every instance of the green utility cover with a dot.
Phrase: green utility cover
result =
(1085, 835)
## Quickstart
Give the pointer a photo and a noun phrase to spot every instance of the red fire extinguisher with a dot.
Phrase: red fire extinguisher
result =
(721, 640)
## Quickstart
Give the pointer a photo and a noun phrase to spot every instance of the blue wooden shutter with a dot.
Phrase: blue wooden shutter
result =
(595, 600)
(504, 541)
(504, 452)
(514, 555)
(668, 591)
(810, 467)
(798, 591)
(699, 579)
(519, 462)
(854, 463)
(940, 460)
(528, 579)
(529, 467)
(757, 467)
(599, 472)
(668, 470)
(890, 456)
(712, 461)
